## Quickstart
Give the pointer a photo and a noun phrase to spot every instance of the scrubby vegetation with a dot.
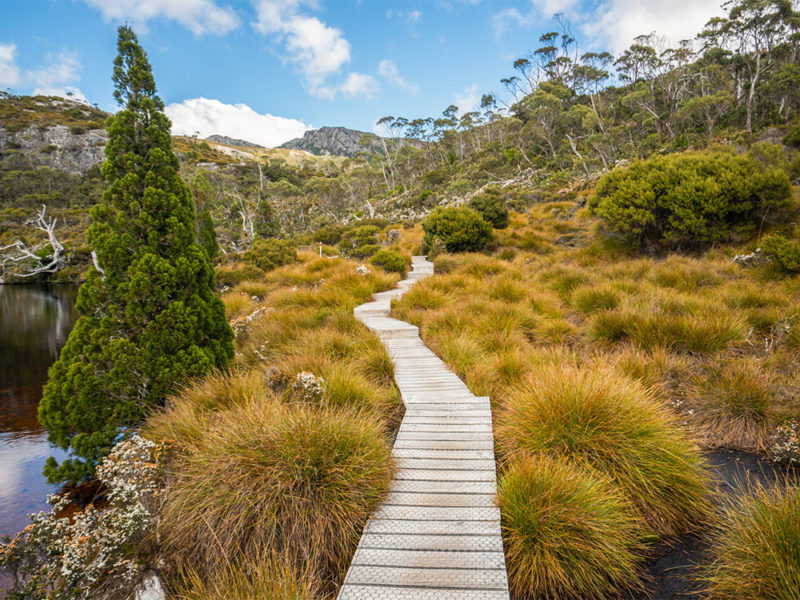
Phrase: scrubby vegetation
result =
(459, 229)
(389, 260)
(690, 200)
(491, 205)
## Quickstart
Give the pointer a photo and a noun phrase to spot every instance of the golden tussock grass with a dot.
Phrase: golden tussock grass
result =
(756, 549)
(296, 479)
(569, 532)
(271, 577)
(597, 418)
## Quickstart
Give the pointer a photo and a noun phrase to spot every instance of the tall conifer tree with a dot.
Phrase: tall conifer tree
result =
(148, 316)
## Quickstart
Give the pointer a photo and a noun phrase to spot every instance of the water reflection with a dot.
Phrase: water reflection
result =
(35, 321)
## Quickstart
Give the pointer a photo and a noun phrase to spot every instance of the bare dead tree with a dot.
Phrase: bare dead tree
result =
(18, 253)
(246, 210)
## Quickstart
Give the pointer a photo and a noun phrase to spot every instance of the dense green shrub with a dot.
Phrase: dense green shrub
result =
(269, 253)
(792, 137)
(784, 252)
(689, 200)
(491, 205)
(149, 319)
(460, 228)
(359, 242)
(389, 260)
(329, 234)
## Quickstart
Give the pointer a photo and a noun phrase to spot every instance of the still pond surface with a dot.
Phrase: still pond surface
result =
(35, 321)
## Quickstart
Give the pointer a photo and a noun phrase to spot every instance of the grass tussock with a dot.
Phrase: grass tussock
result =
(296, 479)
(568, 532)
(182, 422)
(599, 419)
(734, 399)
(270, 578)
(757, 548)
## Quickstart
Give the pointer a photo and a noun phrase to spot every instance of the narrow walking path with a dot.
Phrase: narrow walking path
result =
(437, 535)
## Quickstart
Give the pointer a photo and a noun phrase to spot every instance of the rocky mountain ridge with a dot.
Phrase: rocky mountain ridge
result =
(335, 141)
(230, 141)
(56, 146)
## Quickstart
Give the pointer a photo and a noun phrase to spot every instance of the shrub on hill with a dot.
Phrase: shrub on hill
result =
(359, 242)
(266, 254)
(389, 260)
(329, 234)
(491, 205)
(783, 252)
(461, 229)
(689, 200)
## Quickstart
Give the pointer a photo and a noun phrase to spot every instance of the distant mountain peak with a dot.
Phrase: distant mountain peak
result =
(229, 141)
(334, 141)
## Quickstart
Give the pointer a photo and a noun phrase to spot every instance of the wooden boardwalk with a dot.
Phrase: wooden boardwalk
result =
(437, 535)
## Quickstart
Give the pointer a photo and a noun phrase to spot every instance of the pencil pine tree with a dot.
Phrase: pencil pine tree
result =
(148, 315)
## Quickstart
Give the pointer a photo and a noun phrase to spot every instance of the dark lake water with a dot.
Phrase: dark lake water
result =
(35, 321)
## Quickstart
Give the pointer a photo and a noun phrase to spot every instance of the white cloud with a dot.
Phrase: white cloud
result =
(318, 50)
(613, 24)
(209, 116)
(198, 16)
(388, 70)
(537, 12)
(468, 99)
(9, 72)
(58, 76)
(358, 84)
(619, 21)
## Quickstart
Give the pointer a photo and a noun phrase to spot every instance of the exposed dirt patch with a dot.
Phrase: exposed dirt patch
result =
(674, 568)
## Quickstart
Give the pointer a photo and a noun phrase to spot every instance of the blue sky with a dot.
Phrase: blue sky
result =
(266, 70)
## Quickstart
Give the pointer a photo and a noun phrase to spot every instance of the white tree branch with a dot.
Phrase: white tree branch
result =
(18, 252)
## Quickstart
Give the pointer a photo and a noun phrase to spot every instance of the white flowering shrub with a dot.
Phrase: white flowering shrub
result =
(308, 386)
(786, 443)
(755, 258)
(241, 325)
(96, 553)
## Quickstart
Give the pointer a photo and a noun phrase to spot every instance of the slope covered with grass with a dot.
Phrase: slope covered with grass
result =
(618, 366)
(275, 466)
